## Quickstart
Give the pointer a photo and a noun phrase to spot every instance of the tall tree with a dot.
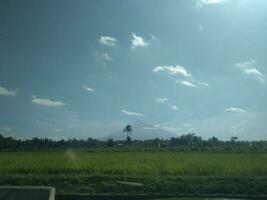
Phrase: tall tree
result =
(128, 130)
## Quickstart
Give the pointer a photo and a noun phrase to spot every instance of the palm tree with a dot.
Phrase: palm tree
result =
(128, 130)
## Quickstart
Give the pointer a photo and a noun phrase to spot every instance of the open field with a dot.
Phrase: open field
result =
(133, 163)
(137, 172)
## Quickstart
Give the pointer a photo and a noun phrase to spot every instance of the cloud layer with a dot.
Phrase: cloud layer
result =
(105, 57)
(180, 71)
(47, 102)
(235, 109)
(6, 92)
(88, 89)
(173, 107)
(176, 70)
(171, 129)
(108, 41)
(201, 3)
(188, 84)
(249, 69)
(138, 41)
(130, 113)
(161, 100)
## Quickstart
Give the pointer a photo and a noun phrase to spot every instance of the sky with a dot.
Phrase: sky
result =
(87, 68)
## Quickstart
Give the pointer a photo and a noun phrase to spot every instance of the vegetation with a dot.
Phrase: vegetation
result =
(134, 163)
(164, 172)
(182, 165)
(128, 130)
(189, 142)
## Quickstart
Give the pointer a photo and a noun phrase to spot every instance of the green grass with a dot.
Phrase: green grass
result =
(160, 172)
(133, 163)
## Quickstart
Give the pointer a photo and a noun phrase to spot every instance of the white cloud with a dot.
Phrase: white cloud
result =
(138, 41)
(162, 127)
(253, 71)
(108, 40)
(173, 107)
(47, 102)
(249, 69)
(152, 37)
(201, 3)
(6, 92)
(236, 130)
(7, 129)
(102, 58)
(181, 71)
(105, 56)
(213, 1)
(235, 109)
(177, 70)
(193, 83)
(203, 84)
(89, 89)
(166, 128)
(188, 84)
(200, 28)
(126, 112)
(187, 125)
(161, 100)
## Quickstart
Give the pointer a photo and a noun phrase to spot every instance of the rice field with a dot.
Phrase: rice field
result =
(134, 163)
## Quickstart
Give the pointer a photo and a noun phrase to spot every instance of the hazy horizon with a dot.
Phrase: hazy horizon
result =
(87, 68)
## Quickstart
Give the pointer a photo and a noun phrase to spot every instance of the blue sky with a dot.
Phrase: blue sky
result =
(86, 68)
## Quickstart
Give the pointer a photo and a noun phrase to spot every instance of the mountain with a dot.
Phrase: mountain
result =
(142, 131)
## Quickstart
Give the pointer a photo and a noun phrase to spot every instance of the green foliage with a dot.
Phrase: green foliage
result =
(161, 172)
(134, 163)
(110, 143)
(128, 129)
(184, 143)
(128, 140)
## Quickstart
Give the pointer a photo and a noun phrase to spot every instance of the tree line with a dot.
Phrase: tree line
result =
(187, 142)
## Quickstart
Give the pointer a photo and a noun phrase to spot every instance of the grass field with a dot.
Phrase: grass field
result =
(97, 172)
(133, 163)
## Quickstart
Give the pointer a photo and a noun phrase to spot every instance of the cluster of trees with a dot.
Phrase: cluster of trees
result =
(189, 142)
(10, 143)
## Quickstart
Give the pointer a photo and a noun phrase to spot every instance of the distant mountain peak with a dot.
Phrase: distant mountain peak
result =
(143, 131)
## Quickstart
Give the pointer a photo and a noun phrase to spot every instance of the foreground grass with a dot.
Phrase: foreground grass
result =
(159, 172)
(134, 163)
(151, 184)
